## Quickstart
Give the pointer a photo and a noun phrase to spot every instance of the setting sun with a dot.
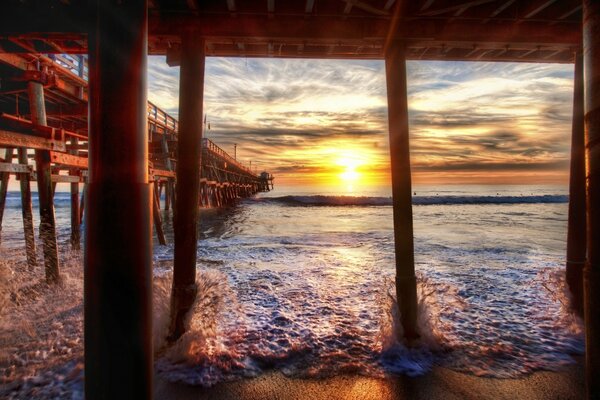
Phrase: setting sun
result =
(350, 174)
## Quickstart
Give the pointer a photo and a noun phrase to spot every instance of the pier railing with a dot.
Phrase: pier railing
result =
(211, 147)
(160, 121)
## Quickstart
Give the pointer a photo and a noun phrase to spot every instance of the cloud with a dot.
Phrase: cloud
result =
(292, 116)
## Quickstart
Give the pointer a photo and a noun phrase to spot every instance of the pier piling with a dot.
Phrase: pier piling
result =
(591, 60)
(44, 186)
(4, 179)
(189, 151)
(157, 219)
(27, 211)
(406, 284)
(75, 220)
(118, 235)
(576, 246)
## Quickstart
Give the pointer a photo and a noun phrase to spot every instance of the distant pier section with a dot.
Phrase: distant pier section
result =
(44, 137)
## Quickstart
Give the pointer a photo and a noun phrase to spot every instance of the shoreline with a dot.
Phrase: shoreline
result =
(440, 383)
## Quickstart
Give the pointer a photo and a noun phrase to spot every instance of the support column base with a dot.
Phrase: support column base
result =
(406, 295)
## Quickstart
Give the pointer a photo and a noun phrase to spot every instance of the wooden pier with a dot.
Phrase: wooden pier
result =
(118, 36)
(60, 93)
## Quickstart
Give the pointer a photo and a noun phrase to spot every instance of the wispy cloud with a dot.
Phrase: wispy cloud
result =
(469, 120)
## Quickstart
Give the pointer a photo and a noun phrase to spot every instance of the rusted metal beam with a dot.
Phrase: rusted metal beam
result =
(406, 284)
(118, 230)
(189, 152)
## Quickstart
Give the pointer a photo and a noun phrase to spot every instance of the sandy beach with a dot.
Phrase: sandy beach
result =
(441, 383)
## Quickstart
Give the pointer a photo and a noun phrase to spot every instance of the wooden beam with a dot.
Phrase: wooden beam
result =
(427, 4)
(363, 6)
(455, 7)
(393, 28)
(537, 7)
(567, 14)
(308, 8)
(503, 7)
(15, 168)
(65, 178)
(14, 139)
(358, 31)
(69, 159)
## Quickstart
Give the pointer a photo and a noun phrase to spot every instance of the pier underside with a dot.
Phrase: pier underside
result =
(128, 144)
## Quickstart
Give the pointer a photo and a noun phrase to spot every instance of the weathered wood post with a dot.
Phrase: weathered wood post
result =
(82, 202)
(576, 249)
(118, 235)
(157, 219)
(27, 211)
(44, 186)
(406, 284)
(164, 143)
(191, 92)
(591, 60)
(75, 221)
(4, 179)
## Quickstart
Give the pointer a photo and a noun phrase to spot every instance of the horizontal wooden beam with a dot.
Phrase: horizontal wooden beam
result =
(15, 168)
(66, 178)
(363, 30)
(68, 159)
(162, 172)
(14, 139)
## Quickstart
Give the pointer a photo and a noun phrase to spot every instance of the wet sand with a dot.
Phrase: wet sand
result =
(441, 383)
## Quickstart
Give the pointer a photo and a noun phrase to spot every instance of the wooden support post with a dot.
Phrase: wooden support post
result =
(576, 249)
(165, 150)
(27, 211)
(591, 60)
(158, 225)
(4, 178)
(406, 285)
(75, 221)
(44, 186)
(118, 230)
(82, 203)
(191, 92)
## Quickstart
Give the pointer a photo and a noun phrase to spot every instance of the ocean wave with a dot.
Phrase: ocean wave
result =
(320, 200)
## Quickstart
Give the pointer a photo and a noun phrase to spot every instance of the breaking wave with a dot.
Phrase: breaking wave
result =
(320, 200)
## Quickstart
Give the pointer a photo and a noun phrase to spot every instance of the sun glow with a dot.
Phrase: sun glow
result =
(350, 162)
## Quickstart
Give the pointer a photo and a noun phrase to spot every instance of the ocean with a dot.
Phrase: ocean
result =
(300, 280)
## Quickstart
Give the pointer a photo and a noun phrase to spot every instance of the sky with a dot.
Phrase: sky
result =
(324, 122)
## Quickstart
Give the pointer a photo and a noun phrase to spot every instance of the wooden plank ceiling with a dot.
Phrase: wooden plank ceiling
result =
(485, 30)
